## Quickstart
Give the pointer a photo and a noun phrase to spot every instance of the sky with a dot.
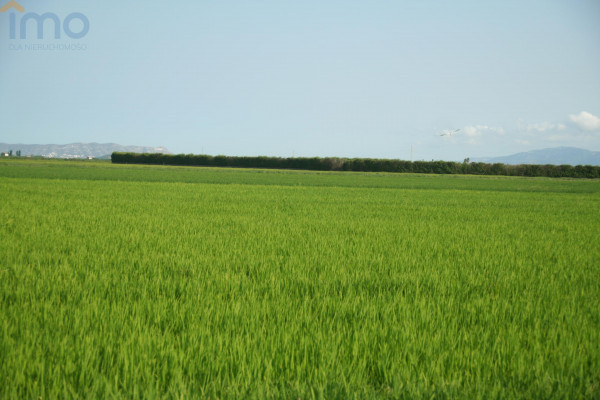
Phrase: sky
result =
(378, 79)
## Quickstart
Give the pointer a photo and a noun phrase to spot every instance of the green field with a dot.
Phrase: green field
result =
(120, 281)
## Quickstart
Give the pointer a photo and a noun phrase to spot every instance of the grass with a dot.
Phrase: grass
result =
(147, 282)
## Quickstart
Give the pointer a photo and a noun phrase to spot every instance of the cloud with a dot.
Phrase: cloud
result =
(471, 131)
(579, 130)
(541, 127)
(479, 130)
(586, 121)
(474, 134)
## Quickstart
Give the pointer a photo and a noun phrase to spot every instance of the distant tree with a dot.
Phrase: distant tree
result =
(361, 164)
(18, 153)
(10, 153)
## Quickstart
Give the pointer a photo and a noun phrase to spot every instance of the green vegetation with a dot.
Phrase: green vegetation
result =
(360, 164)
(173, 282)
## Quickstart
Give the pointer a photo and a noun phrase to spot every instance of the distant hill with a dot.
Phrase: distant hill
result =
(77, 150)
(556, 156)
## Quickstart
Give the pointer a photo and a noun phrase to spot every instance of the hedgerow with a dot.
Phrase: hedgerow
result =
(360, 164)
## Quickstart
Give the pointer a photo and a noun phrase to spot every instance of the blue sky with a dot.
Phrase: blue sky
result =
(308, 78)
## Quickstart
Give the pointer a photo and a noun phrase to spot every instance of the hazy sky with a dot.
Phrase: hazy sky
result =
(306, 78)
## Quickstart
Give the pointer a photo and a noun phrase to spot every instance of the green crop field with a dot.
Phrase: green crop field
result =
(120, 281)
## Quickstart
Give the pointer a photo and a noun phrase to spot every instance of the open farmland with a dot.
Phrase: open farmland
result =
(173, 282)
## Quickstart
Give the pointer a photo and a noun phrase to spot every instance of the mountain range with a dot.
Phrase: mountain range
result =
(555, 155)
(77, 150)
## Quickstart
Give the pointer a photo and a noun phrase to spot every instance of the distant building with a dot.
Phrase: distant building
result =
(4, 154)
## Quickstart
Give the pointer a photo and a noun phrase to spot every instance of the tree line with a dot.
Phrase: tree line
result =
(360, 164)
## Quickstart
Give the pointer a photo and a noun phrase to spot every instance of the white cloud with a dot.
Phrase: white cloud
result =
(586, 121)
(474, 134)
(478, 130)
(541, 127)
(580, 130)
(471, 131)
